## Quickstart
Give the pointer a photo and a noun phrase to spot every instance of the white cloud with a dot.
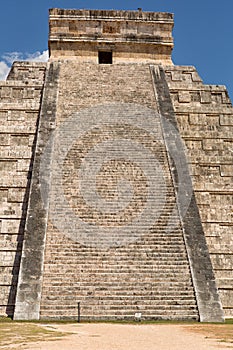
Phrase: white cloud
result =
(37, 56)
(4, 70)
(9, 57)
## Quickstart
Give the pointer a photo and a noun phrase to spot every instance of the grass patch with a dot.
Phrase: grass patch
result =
(229, 321)
(21, 332)
(5, 319)
(222, 332)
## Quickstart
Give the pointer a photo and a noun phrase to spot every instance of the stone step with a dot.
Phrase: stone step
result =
(95, 314)
(54, 269)
(53, 316)
(116, 274)
(157, 297)
(92, 291)
(100, 286)
(116, 265)
(123, 274)
(159, 246)
(155, 271)
(159, 234)
(152, 243)
(113, 283)
(124, 310)
(154, 274)
(143, 307)
(159, 261)
(135, 301)
(159, 230)
(140, 250)
(149, 258)
(156, 244)
(149, 307)
(146, 288)
(160, 297)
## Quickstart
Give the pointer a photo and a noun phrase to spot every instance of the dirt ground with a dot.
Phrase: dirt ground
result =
(107, 336)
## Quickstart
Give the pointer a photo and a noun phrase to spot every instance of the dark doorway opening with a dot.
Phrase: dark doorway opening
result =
(105, 57)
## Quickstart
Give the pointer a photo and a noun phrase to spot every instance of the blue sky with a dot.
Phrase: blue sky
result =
(203, 32)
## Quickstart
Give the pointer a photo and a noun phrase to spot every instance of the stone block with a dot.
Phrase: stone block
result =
(3, 115)
(11, 210)
(205, 96)
(28, 93)
(4, 139)
(21, 152)
(7, 167)
(16, 195)
(197, 119)
(23, 165)
(226, 170)
(228, 312)
(216, 98)
(6, 275)
(226, 296)
(5, 92)
(3, 195)
(203, 198)
(19, 140)
(226, 119)
(15, 181)
(31, 139)
(176, 76)
(10, 242)
(6, 295)
(17, 93)
(211, 144)
(184, 97)
(196, 77)
(12, 226)
(7, 258)
(222, 261)
(16, 115)
(183, 121)
(27, 127)
(193, 144)
(220, 244)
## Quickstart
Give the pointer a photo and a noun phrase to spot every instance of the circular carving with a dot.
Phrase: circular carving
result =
(109, 175)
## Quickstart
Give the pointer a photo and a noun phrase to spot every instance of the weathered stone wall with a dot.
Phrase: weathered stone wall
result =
(131, 36)
(205, 118)
(20, 98)
(27, 72)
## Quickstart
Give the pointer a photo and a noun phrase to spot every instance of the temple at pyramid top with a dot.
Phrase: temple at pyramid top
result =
(110, 36)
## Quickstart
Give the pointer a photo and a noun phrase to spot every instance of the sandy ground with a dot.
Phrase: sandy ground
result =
(127, 337)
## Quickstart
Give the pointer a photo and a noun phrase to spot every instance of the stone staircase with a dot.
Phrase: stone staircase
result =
(151, 276)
